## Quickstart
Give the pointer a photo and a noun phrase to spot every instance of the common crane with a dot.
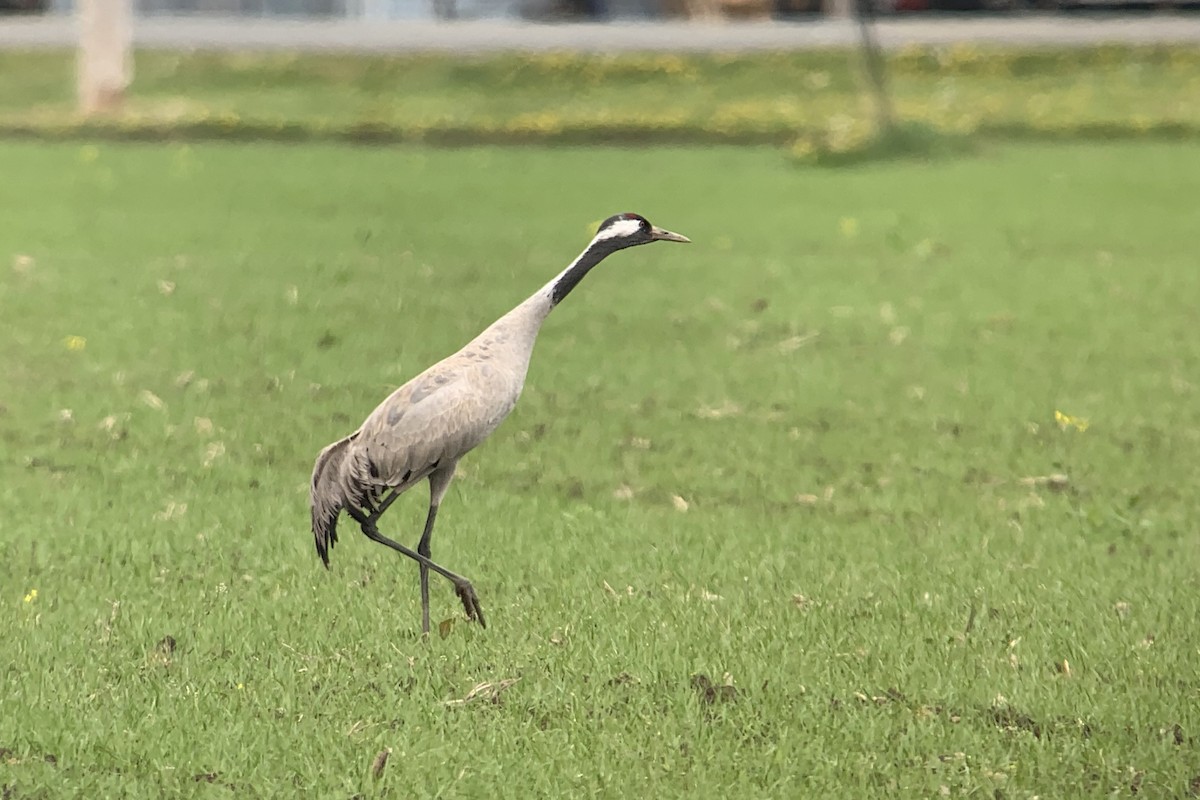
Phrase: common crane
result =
(423, 428)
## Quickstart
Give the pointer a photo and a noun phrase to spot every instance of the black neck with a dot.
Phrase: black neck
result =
(595, 253)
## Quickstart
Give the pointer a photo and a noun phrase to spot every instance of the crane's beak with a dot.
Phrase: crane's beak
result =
(661, 235)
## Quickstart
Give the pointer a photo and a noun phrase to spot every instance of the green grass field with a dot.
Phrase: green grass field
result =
(806, 457)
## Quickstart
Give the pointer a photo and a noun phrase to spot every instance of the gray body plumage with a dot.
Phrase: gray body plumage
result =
(423, 428)
(429, 423)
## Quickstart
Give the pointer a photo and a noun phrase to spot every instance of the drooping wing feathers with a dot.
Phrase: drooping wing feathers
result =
(325, 495)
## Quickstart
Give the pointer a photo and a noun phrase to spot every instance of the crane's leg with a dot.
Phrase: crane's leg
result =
(462, 586)
(423, 549)
(439, 482)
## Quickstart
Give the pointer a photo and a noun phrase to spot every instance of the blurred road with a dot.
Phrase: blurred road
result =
(498, 35)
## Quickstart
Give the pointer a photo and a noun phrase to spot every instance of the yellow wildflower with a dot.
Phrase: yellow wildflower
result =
(803, 149)
(1067, 421)
(31, 596)
(75, 343)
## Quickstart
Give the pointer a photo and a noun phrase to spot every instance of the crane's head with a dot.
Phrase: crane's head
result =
(627, 230)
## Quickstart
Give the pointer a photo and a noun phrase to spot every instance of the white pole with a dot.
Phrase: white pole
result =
(104, 62)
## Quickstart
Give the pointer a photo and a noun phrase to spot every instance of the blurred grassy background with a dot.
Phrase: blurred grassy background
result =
(810, 100)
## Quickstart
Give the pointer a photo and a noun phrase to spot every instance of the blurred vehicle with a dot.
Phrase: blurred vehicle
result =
(23, 6)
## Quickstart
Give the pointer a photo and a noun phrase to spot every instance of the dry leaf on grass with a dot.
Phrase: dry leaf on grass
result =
(212, 452)
(151, 400)
(488, 690)
(726, 409)
(794, 343)
(710, 692)
(380, 762)
(810, 499)
(172, 510)
(1056, 481)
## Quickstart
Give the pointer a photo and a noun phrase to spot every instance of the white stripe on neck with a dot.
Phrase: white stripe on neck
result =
(619, 229)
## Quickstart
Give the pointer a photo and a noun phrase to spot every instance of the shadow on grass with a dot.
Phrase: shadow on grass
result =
(904, 141)
(914, 140)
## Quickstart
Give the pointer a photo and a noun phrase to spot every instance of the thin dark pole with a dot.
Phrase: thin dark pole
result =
(876, 67)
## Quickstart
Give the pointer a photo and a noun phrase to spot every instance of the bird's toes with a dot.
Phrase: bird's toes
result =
(470, 601)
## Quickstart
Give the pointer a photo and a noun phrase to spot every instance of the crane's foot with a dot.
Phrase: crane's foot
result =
(470, 601)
